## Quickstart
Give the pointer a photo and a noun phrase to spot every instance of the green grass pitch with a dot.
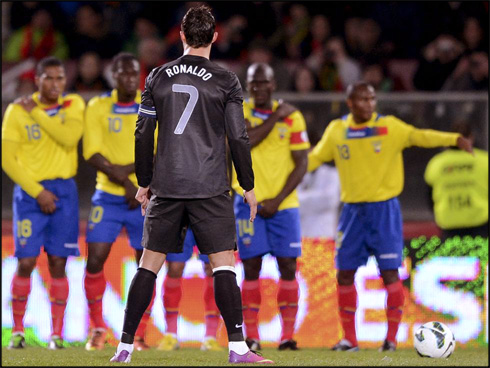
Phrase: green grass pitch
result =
(77, 356)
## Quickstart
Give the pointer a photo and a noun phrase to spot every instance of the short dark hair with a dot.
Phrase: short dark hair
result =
(198, 26)
(121, 57)
(47, 62)
(354, 87)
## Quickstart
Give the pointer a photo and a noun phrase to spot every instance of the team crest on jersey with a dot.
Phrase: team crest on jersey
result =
(376, 146)
(282, 132)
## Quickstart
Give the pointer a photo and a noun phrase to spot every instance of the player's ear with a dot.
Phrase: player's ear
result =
(349, 103)
(182, 37)
(215, 37)
(37, 81)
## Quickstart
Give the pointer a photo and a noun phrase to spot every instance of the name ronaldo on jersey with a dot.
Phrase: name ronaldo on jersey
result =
(190, 69)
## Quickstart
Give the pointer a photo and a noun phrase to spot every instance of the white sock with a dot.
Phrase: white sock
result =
(123, 346)
(239, 347)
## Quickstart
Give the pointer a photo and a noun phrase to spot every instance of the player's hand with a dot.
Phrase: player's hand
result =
(130, 194)
(118, 174)
(249, 197)
(143, 197)
(285, 109)
(465, 144)
(26, 102)
(268, 207)
(47, 201)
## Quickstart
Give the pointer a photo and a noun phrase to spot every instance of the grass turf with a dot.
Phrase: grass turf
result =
(77, 356)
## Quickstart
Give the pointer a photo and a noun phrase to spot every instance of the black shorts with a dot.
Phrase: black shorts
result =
(212, 221)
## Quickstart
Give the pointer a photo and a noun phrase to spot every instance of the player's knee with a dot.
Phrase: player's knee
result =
(287, 268)
(175, 269)
(25, 266)
(252, 268)
(389, 276)
(346, 278)
(94, 265)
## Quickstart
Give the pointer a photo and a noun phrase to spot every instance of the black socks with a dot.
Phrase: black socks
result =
(229, 301)
(139, 298)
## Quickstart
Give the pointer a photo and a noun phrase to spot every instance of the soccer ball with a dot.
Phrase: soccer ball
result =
(434, 340)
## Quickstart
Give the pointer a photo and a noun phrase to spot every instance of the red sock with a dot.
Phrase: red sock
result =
(287, 301)
(211, 311)
(21, 288)
(58, 294)
(172, 293)
(347, 309)
(394, 308)
(251, 303)
(95, 284)
(140, 332)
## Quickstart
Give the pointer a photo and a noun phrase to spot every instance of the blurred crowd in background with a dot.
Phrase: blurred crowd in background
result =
(312, 46)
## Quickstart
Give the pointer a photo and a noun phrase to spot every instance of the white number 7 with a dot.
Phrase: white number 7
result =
(193, 97)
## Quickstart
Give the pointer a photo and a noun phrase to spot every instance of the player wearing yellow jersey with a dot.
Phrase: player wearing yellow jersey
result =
(277, 133)
(108, 145)
(367, 150)
(459, 184)
(40, 134)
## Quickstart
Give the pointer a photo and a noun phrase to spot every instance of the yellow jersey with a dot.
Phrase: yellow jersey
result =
(42, 144)
(368, 156)
(459, 184)
(109, 130)
(271, 159)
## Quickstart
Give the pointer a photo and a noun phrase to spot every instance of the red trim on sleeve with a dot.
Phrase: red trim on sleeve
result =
(296, 138)
(66, 103)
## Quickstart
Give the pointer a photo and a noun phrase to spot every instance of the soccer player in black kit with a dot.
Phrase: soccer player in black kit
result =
(198, 105)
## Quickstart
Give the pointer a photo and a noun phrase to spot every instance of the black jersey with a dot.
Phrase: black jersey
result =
(197, 104)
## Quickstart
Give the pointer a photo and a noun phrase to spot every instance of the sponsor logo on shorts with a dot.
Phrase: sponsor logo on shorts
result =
(295, 245)
(388, 255)
(247, 241)
(71, 245)
(22, 242)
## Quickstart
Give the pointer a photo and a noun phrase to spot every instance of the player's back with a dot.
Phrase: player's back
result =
(190, 95)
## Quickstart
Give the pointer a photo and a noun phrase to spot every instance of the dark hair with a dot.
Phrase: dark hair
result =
(47, 62)
(198, 26)
(354, 87)
(121, 57)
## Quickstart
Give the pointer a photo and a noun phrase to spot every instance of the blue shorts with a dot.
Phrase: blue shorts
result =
(370, 229)
(279, 235)
(107, 217)
(57, 232)
(189, 243)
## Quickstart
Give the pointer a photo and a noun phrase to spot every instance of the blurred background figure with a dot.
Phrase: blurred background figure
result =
(473, 36)
(305, 80)
(338, 69)
(37, 40)
(91, 34)
(89, 75)
(459, 189)
(151, 53)
(231, 39)
(440, 58)
(259, 52)
(471, 75)
(376, 75)
(142, 30)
